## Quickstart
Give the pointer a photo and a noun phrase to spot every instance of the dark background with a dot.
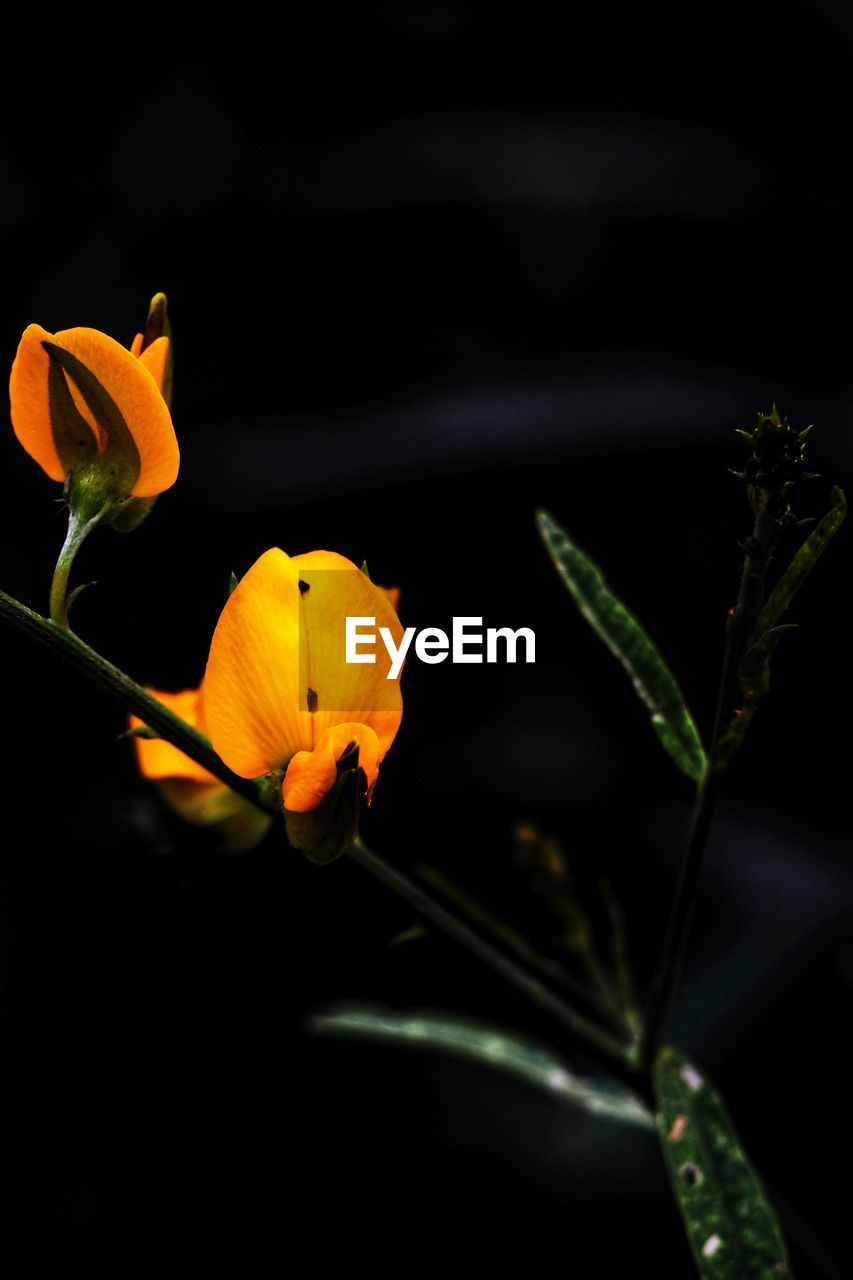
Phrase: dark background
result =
(430, 266)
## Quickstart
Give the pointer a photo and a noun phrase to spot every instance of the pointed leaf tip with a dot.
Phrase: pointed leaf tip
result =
(627, 640)
(489, 1047)
(802, 564)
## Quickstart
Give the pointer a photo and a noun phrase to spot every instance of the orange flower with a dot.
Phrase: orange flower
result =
(84, 406)
(96, 417)
(193, 793)
(279, 695)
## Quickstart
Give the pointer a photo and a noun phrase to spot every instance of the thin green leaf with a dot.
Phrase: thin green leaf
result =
(802, 564)
(489, 1047)
(627, 640)
(732, 1229)
(754, 679)
(755, 664)
(140, 731)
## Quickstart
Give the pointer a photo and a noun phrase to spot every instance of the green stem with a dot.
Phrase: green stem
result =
(620, 959)
(508, 938)
(78, 529)
(525, 982)
(131, 695)
(137, 700)
(741, 621)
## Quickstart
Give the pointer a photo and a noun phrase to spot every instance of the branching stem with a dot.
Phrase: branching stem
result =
(55, 637)
(757, 552)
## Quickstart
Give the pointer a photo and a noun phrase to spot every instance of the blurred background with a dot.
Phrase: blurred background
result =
(430, 266)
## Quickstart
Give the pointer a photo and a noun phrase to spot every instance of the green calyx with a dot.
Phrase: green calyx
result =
(326, 833)
(101, 473)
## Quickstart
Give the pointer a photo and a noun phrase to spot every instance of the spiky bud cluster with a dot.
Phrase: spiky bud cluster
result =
(776, 465)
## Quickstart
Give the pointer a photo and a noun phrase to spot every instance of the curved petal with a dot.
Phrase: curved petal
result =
(138, 397)
(125, 378)
(29, 401)
(154, 358)
(158, 759)
(311, 774)
(255, 718)
(277, 678)
(332, 589)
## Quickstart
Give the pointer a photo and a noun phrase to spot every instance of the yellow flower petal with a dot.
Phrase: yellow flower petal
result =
(158, 759)
(393, 596)
(154, 357)
(277, 679)
(29, 401)
(311, 774)
(334, 589)
(124, 377)
(251, 685)
(194, 794)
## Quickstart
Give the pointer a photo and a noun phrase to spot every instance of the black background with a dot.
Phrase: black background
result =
(430, 266)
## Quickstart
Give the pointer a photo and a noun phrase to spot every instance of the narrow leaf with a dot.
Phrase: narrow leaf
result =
(802, 564)
(627, 640)
(140, 731)
(489, 1047)
(754, 665)
(731, 1227)
(78, 591)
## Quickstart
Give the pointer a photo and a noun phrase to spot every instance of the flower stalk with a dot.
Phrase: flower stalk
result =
(79, 527)
(121, 687)
(63, 642)
(530, 986)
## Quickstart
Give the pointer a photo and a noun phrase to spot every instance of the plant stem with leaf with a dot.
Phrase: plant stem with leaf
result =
(171, 728)
(757, 552)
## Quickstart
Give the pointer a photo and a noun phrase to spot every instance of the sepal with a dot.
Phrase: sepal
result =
(324, 834)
